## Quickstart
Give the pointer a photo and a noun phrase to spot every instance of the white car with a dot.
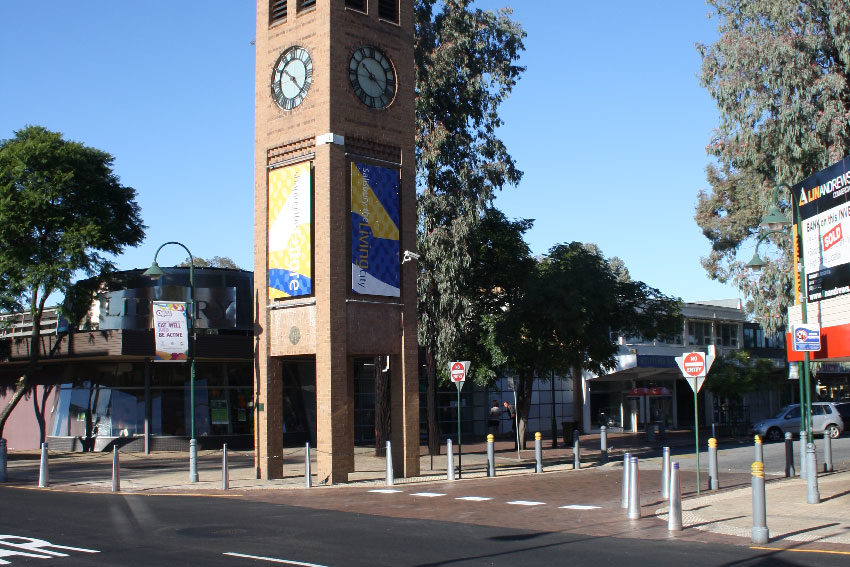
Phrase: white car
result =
(825, 420)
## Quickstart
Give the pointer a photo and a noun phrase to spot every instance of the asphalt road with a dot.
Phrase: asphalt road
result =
(119, 529)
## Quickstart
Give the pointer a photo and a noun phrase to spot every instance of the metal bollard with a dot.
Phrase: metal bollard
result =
(576, 451)
(713, 481)
(803, 439)
(3, 460)
(812, 493)
(603, 444)
(116, 475)
(450, 461)
(624, 500)
(491, 457)
(390, 478)
(43, 473)
(193, 460)
(760, 533)
(308, 474)
(674, 511)
(225, 472)
(538, 452)
(789, 455)
(827, 452)
(759, 454)
(665, 473)
(634, 489)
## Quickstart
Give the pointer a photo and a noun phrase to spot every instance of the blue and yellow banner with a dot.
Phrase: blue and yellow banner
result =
(375, 267)
(290, 231)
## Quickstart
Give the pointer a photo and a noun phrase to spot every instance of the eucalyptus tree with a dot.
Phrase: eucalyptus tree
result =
(779, 74)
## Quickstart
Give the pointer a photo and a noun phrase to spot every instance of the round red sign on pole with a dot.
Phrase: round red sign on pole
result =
(458, 372)
(694, 364)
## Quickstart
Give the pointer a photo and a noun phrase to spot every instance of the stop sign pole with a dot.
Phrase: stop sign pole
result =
(457, 372)
(694, 366)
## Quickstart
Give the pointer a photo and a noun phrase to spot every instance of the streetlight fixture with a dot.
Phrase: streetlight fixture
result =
(775, 222)
(154, 273)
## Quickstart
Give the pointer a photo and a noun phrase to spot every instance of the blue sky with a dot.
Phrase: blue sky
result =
(608, 123)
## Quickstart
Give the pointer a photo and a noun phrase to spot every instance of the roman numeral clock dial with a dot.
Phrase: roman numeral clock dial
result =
(372, 76)
(292, 76)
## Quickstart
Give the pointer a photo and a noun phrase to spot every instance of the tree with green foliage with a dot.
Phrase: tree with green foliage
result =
(465, 67)
(779, 73)
(214, 262)
(64, 213)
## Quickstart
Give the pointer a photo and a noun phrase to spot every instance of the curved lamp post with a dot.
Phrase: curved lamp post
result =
(154, 273)
(775, 222)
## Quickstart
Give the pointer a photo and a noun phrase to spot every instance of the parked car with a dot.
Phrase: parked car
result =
(844, 410)
(826, 419)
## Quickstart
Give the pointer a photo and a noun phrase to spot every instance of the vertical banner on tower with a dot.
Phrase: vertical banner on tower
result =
(375, 267)
(290, 231)
(171, 333)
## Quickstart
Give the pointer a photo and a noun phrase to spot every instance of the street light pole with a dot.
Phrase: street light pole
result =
(155, 272)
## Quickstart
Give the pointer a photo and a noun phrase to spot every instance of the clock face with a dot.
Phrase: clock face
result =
(372, 77)
(291, 77)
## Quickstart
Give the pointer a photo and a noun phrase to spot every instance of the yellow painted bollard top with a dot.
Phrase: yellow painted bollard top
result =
(758, 469)
(712, 443)
(538, 436)
(757, 439)
(490, 438)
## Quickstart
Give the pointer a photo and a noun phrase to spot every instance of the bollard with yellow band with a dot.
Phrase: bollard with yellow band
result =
(713, 481)
(538, 452)
(760, 532)
(759, 455)
(491, 457)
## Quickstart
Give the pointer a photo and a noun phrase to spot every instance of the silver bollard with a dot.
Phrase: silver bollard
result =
(538, 452)
(116, 475)
(450, 461)
(827, 452)
(576, 451)
(390, 479)
(308, 474)
(634, 490)
(760, 533)
(803, 440)
(43, 473)
(789, 455)
(759, 449)
(812, 493)
(3, 460)
(225, 473)
(713, 481)
(624, 500)
(491, 457)
(665, 474)
(674, 511)
(193, 460)
(603, 444)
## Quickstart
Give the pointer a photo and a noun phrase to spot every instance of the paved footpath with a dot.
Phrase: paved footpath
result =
(585, 501)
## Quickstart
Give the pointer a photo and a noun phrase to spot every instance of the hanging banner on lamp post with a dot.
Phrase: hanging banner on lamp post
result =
(171, 331)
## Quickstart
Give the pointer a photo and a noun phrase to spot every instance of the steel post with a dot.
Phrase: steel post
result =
(116, 475)
(308, 473)
(803, 454)
(665, 473)
(674, 511)
(789, 455)
(3, 460)
(538, 452)
(603, 444)
(225, 472)
(491, 457)
(450, 461)
(827, 452)
(760, 533)
(43, 473)
(390, 478)
(634, 490)
(624, 500)
(759, 449)
(193, 460)
(713, 481)
(812, 493)
(576, 451)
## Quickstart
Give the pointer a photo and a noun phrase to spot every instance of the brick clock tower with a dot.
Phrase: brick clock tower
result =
(334, 216)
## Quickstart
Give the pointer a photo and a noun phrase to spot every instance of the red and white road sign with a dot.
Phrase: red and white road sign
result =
(457, 371)
(694, 364)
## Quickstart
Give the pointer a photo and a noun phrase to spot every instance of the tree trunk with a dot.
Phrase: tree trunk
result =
(382, 407)
(431, 404)
(524, 387)
(20, 389)
(578, 400)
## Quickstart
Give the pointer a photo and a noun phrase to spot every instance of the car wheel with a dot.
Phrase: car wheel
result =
(774, 434)
(833, 431)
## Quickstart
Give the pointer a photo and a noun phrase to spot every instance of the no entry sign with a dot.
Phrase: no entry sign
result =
(694, 364)
(457, 371)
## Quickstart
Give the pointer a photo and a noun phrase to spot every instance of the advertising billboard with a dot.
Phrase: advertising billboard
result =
(824, 222)
(290, 231)
(171, 331)
(375, 267)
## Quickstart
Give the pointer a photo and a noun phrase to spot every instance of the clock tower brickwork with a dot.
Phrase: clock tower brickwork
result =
(330, 130)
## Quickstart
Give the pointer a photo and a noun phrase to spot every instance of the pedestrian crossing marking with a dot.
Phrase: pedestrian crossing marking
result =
(526, 503)
(428, 494)
(385, 490)
(578, 507)
(474, 498)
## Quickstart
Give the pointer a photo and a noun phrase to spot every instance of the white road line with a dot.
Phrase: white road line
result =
(526, 503)
(578, 507)
(385, 490)
(474, 498)
(427, 494)
(273, 559)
